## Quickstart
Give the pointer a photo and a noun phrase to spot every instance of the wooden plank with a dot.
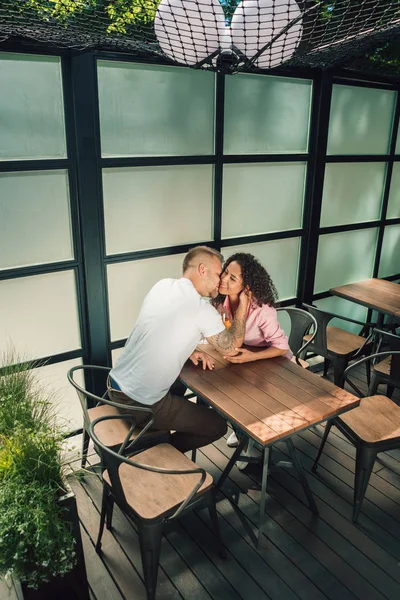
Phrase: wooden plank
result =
(258, 408)
(328, 393)
(312, 410)
(322, 568)
(112, 556)
(233, 411)
(101, 584)
(292, 418)
(199, 527)
(379, 294)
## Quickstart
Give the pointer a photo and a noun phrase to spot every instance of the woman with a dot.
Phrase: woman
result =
(264, 338)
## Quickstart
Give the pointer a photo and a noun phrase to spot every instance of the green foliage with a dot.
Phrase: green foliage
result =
(36, 542)
(22, 403)
(117, 14)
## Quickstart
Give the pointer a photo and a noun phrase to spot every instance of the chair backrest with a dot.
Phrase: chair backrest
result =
(319, 345)
(389, 341)
(301, 323)
(88, 398)
(112, 460)
(377, 356)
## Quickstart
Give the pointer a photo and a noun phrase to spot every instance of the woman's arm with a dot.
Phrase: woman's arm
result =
(246, 354)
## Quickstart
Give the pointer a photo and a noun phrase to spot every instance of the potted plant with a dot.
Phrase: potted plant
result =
(40, 542)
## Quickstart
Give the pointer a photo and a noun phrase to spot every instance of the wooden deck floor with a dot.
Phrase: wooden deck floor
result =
(302, 556)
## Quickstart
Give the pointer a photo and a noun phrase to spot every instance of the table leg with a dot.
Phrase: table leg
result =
(303, 479)
(263, 492)
(229, 466)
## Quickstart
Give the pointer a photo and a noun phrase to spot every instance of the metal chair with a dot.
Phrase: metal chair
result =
(337, 345)
(112, 434)
(149, 493)
(301, 322)
(387, 371)
(373, 427)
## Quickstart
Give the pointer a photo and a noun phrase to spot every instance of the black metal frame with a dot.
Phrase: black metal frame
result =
(84, 164)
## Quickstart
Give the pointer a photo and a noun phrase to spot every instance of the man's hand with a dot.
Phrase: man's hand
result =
(243, 356)
(207, 361)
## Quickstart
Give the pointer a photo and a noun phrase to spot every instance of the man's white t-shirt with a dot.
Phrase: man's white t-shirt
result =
(172, 321)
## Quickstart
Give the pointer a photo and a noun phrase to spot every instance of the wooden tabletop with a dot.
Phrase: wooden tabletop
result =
(268, 399)
(379, 294)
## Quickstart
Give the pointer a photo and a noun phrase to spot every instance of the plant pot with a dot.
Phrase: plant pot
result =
(73, 585)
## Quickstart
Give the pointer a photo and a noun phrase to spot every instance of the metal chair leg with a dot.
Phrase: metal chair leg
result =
(389, 391)
(109, 511)
(104, 502)
(327, 364)
(85, 447)
(324, 437)
(263, 498)
(302, 476)
(373, 386)
(339, 367)
(365, 459)
(212, 509)
(150, 546)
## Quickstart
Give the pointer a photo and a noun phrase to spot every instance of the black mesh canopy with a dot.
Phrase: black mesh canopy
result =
(225, 35)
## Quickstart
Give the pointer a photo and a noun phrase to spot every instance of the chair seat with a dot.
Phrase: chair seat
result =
(384, 366)
(112, 432)
(341, 342)
(375, 420)
(302, 362)
(153, 495)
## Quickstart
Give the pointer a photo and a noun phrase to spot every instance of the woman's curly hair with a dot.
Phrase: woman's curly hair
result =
(255, 277)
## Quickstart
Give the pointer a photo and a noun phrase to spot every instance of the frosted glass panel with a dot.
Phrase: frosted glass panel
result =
(280, 258)
(153, 207)
(390, 256)
(343, 307)
(151, 110)
(352, 193)
(360, 120)
(262, 197)
(66, 403)
(35, 224)
(393, 209)
(265, 114)
(115, 354)
(32, 112)
(344, 258)
(38, 314)
(128, 284)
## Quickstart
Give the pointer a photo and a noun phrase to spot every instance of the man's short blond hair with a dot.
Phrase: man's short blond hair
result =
(195, 255)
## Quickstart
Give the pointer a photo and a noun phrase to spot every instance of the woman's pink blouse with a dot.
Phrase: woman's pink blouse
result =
(262, 327)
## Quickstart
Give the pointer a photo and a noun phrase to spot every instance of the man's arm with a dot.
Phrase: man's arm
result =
(229, 340)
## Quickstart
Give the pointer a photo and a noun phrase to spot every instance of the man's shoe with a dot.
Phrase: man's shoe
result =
(232, 440)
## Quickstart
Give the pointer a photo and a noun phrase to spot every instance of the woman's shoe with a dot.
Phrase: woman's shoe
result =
(232, 440)
(251, 451)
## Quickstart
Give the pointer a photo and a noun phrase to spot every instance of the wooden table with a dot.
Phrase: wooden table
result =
(378, 294)
(268, 401)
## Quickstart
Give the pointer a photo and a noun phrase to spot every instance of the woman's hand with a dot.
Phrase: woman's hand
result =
(198, 356)
(244, 355)
(245, 296)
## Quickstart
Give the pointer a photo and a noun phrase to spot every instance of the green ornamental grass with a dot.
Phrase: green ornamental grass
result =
(36, 542)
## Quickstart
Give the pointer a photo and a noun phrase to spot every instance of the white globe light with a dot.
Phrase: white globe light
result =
(256, 22)
(189, 31)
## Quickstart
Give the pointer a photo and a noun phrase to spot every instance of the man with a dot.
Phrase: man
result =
(174, 317)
